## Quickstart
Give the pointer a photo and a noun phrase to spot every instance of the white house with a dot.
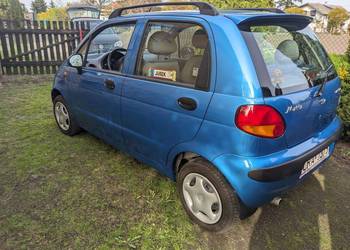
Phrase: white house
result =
(320, 14)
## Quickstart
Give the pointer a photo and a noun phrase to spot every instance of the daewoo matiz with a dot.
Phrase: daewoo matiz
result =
(236, 106)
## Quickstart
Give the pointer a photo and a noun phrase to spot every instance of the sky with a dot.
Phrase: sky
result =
(344, 3)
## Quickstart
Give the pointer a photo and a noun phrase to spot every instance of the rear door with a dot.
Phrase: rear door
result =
(162, 105)
(296, 75)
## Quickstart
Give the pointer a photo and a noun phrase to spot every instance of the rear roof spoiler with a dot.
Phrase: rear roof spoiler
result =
(291, 20)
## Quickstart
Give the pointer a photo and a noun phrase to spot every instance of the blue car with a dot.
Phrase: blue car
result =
(235, 106)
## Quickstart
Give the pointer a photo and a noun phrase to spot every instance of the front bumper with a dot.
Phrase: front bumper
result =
(257, 183)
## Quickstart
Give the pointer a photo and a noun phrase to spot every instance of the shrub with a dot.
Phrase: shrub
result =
(295, 10)
(343, 68)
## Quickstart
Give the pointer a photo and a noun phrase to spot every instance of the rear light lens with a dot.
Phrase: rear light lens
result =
(260, 120)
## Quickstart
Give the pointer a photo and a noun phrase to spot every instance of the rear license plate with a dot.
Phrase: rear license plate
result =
(314, 162)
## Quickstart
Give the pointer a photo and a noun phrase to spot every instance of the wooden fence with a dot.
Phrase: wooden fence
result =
(37, 47)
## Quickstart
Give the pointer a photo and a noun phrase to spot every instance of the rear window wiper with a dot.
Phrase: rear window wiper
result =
(309, 80)
(326, 72)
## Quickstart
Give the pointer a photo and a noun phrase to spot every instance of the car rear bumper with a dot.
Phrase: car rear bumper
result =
(294, 166)
(257, 180)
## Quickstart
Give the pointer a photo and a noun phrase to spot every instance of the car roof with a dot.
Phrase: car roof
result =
(237, 15)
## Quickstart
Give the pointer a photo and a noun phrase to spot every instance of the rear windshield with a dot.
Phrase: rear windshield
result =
(287, 59)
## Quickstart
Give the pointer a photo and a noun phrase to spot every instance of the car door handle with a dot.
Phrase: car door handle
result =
(109, 84)
(187, 103)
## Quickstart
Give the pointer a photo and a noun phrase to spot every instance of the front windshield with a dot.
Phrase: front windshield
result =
(295, 59)
(83, 13)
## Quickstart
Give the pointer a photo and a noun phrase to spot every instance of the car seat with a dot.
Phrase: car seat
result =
(286, 51)
(190, 71)
(287, 65)
(162, 44)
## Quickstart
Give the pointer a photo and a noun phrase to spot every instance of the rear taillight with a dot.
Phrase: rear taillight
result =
(260, 120)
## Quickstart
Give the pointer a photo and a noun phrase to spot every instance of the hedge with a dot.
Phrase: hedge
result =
(342, 64)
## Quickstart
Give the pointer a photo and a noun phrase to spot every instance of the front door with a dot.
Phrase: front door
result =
(164, 102)
(96, 91)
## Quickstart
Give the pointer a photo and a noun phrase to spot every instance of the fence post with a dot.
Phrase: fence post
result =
(1, 73)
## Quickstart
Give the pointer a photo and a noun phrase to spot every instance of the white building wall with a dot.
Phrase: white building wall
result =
(320, 21)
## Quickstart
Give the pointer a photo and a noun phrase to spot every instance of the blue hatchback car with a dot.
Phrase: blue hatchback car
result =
(236, 106)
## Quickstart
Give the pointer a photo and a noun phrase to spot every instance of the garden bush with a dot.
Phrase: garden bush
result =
(342, 64)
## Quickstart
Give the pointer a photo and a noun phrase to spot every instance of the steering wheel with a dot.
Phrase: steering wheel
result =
(116, 64)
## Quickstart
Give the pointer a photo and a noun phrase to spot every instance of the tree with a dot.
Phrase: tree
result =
(227, 4)
(3, 8)
(39, 6)
(347, 54)
(98, 3)
(52, 4)
(294, 10)
(54, 14)
(285, 4)
(231, 4)
(336, 19)
(11, 9)
(108, 8)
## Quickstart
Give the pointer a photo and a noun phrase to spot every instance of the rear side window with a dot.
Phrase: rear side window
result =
(292, 59)
(175, 53)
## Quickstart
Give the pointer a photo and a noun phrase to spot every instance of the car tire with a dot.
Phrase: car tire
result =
(218, 220)
(64, 118)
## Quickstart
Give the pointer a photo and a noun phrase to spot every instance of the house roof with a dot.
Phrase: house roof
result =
(81, 6)
(324, 9)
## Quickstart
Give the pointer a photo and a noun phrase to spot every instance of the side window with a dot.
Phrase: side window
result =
(108, 48)
(175, 53)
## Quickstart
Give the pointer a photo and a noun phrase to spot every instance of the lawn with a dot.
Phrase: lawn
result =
(78, 192)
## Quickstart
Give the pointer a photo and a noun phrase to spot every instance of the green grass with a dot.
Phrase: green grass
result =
(77, 192)
(59, 191)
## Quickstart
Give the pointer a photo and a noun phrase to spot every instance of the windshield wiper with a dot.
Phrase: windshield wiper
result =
(309, 80)
(326, 72)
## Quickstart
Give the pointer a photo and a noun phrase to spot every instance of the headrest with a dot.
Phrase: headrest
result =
(288, 48)
(161, 43)
(200, 39)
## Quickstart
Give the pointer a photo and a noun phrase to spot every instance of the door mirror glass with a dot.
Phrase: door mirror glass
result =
(76, 61)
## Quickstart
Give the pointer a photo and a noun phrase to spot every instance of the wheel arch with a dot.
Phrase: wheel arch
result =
(54, 93)
(183, 157)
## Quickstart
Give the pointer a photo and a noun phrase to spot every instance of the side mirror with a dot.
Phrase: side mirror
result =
(76, 61)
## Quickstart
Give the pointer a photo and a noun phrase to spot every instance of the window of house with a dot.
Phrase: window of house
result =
(175, 53)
